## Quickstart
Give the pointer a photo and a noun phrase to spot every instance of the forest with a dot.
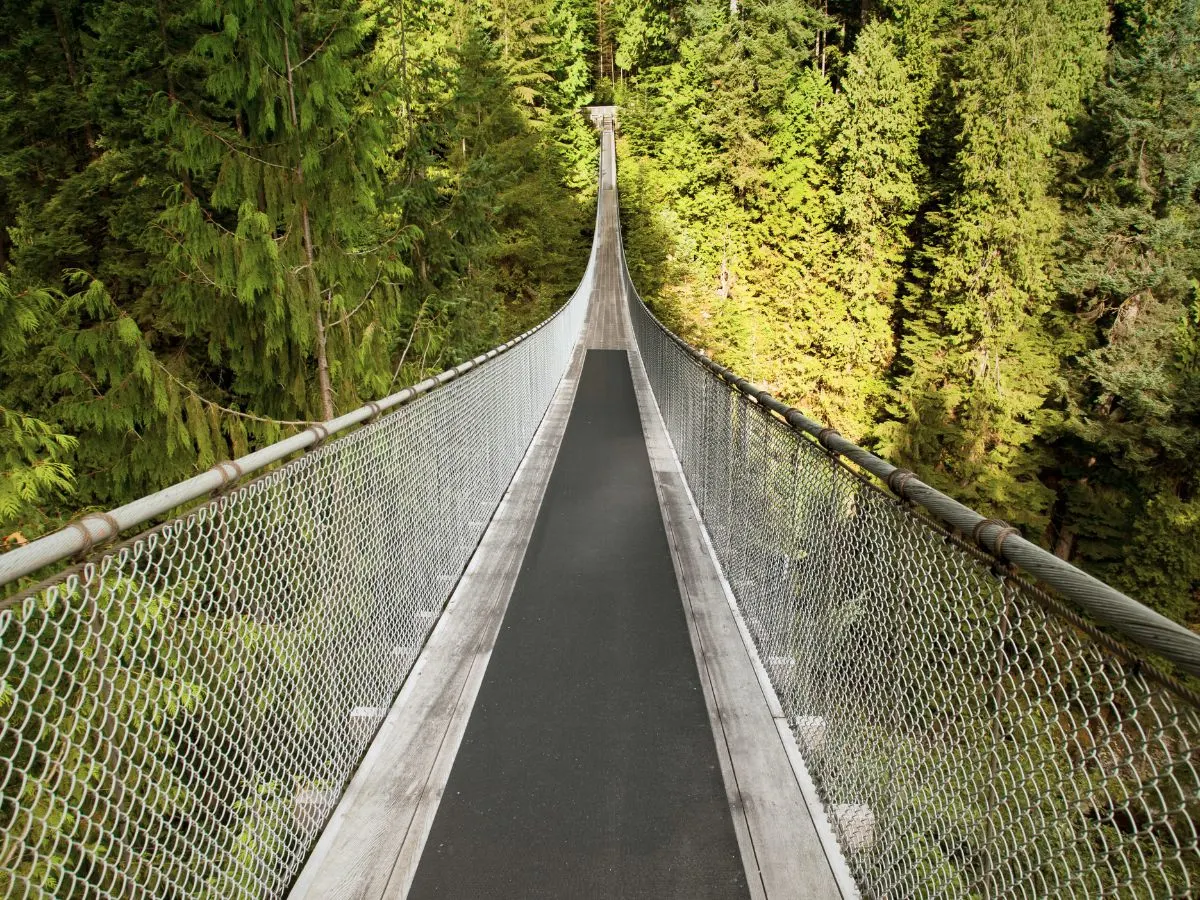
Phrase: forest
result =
(222, 220)
(963, 233)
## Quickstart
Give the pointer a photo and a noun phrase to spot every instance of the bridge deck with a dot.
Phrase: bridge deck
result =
(586, 720)
(588, 768)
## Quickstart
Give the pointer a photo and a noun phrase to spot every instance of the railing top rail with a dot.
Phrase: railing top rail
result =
(1104, 603)
(1107, 605)
(187, 704)
(99, 528)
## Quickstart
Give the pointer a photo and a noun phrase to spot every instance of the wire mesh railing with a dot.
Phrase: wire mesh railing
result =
(179, 715)
(972, 735)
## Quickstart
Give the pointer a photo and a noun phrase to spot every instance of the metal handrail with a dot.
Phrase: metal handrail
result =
(1107, 605)
(183, 709)
(98, 528)
(94, 529)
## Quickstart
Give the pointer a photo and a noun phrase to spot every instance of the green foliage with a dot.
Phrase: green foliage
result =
(31, 453)
(980, 349)
(1130, 283)
(964, 233)
(257, 194)
(222, 221)
(875, 157)
(247, 217)
(642, 32)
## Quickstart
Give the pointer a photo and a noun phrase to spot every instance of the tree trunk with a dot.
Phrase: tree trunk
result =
(323, 380)
(1064, 547)
(69, 57)
(599, 42)
(310, 254)
(408, 127)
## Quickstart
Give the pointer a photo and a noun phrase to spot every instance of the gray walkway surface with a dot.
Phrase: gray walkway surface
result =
(589, 717)
(588, 767)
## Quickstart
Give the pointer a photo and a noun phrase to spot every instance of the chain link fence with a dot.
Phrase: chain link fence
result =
(971, 735)
(179, 716)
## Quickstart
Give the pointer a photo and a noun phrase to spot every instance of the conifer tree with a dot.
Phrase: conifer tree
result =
(155, 180)
(980, 353)
(808, 198)
(571, 90)
(878, 171)
(642, 31)
(741, 84)
(289, 255)
(803, 321)
(46, 131)
(80, 229)
(46, 135)
(33, 469)
(1129, 450)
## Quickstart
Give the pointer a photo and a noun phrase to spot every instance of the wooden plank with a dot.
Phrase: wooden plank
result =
(426, 805)
(841, 870)
(607, 325)
(782, 848)
(373, 841)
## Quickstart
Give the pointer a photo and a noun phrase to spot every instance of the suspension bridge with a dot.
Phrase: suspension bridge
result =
(587, 616)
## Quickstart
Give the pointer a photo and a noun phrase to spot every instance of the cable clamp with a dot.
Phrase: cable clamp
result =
(824, 434)
(1003, 532)
(89, 542)
(229, 471)
(319, 432)
(898, 480)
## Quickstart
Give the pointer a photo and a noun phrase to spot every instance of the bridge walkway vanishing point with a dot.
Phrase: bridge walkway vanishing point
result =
(584, 753)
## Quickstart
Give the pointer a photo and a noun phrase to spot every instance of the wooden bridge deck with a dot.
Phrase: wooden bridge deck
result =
(588, 718)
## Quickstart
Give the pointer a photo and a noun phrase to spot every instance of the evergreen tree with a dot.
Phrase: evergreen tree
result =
(570, 90)
(32, 452)
(980, 353)
(717, 122)
(1128, 453)
(224, 221)
(290, 256)
(878, 172)
(83, 227)
(46, 131)
(643, 33)
(46, 134)
(802, 323)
